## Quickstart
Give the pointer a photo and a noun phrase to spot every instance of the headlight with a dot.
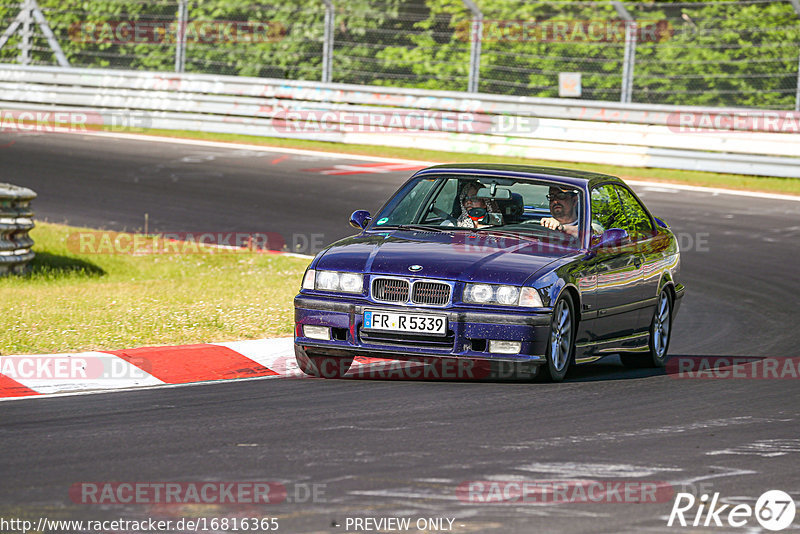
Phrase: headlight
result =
(503, 295)
(478, 293)
(508, 295)
(351, 282)
(328, 281)
(344, 282)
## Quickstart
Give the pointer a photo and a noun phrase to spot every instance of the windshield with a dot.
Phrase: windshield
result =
(535, 208)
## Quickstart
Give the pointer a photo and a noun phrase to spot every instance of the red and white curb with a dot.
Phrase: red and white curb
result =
(47, 374)
(166, 366)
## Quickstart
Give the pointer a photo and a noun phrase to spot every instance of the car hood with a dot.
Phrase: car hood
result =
(481, 257)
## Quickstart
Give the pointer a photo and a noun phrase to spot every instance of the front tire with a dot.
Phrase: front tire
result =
(561, 345)
(660, 333)
(322, 366)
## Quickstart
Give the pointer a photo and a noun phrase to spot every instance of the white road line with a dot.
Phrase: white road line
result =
(714, 190)
(723, 472)
(766, 448)
(636, 433)
(245, 146)
(593, 470)
(335, 155)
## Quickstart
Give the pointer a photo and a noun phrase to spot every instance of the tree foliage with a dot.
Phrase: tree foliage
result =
(702, 53)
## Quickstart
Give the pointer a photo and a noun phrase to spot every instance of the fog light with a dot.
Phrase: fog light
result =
(504, 347)
(317, 332)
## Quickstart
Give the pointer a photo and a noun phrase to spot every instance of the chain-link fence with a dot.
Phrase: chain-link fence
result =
(726, 53)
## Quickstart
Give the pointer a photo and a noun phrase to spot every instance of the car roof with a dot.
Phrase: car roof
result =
(571, 177)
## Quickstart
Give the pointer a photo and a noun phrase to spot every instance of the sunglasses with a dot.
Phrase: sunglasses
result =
(561, 195)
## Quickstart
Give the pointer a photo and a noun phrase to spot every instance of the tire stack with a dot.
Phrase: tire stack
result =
(16, 220)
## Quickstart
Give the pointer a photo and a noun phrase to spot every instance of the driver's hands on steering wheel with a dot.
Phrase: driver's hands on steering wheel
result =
(552, 224)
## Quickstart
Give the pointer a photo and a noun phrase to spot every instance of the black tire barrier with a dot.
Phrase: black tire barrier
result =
(16, 220)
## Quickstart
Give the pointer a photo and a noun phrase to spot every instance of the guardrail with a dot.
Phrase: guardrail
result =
(706, 139)
(16, 220)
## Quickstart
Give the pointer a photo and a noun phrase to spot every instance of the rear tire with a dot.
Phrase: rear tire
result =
(561, 344)
(322, 366)
(660, 333)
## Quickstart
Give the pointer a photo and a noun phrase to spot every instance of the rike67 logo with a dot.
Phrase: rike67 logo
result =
(774, 510)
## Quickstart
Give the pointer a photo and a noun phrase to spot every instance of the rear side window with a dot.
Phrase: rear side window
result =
(637, 222)
(606, 209)
(613, 206)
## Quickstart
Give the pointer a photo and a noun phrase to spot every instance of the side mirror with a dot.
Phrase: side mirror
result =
(360, 219)
(661, 223)
(613, 237)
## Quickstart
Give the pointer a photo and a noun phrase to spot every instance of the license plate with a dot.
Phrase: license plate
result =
(434, 325)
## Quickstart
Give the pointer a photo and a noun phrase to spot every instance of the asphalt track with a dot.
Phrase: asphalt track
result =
(386, 448)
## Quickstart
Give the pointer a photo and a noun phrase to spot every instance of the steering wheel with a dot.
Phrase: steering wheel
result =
(443, 214)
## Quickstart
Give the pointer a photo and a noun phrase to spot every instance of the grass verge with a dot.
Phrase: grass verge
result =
(789, 186)
(76, 302)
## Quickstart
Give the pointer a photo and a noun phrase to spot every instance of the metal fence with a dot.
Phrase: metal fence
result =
(728, 53)
(55, 99)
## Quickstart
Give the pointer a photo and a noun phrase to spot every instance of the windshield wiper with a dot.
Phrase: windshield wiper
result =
(420, 227)
(460, 229)
(510, 233)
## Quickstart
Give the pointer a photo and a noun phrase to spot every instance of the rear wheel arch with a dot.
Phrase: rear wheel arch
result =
(667, 283)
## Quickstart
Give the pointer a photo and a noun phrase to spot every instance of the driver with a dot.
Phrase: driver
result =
(468, 200)
(564, 208)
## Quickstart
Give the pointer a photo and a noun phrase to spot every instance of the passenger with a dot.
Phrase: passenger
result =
(468, 200)
(564, 208)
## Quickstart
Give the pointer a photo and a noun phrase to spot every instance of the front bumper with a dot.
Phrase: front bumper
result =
(465, 325)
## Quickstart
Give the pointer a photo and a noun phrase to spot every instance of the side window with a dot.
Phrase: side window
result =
(605, 209)
(636, 218)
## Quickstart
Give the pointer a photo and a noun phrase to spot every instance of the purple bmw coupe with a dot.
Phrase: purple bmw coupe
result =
(543, 267)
